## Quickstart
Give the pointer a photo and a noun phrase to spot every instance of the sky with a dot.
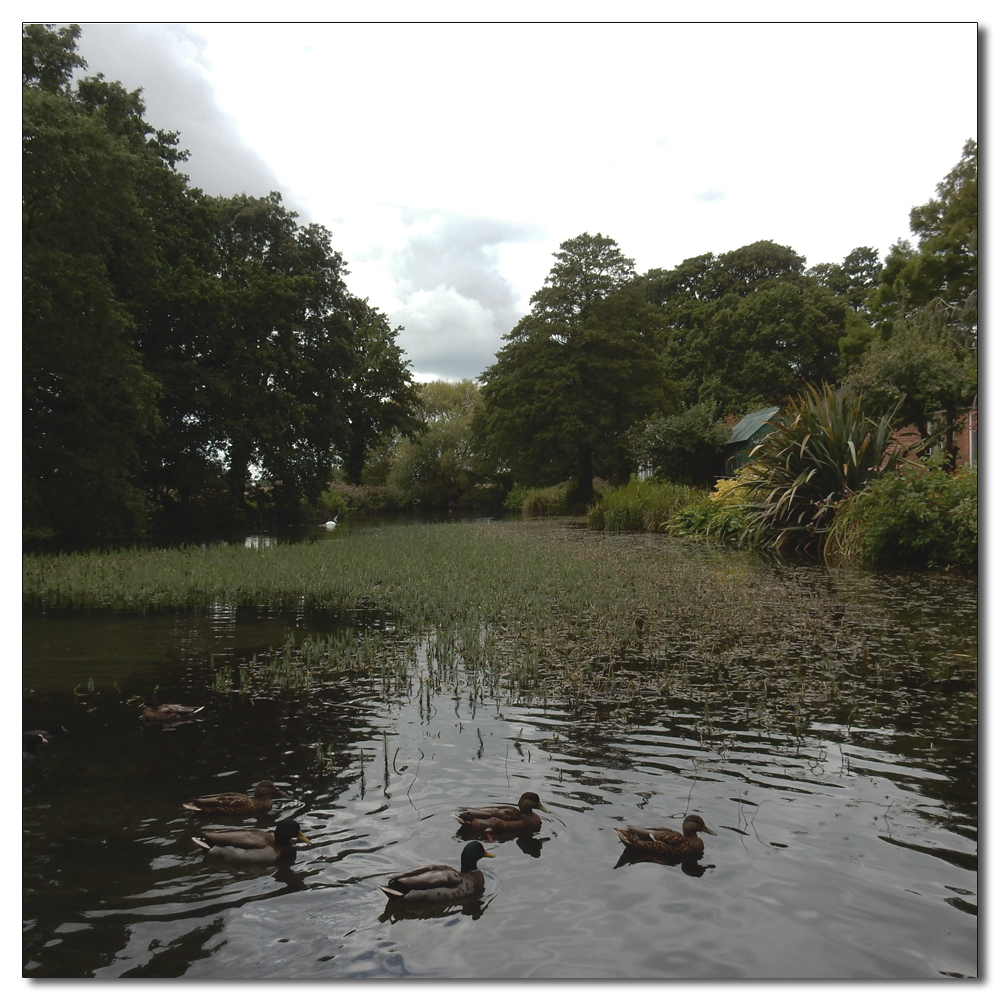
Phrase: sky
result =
(450, 160)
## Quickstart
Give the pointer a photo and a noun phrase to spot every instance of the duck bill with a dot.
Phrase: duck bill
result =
(487, 854)
(540, 806)
(303, 838)
(711, 833)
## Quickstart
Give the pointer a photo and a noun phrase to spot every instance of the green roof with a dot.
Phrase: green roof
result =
(751, 423)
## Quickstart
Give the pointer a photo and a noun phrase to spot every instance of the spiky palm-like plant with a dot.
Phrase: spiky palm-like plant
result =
(825, 445)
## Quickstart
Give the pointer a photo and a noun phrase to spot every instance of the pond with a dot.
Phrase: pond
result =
(846, 829)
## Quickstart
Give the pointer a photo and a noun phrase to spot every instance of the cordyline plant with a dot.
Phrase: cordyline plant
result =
(825, 446)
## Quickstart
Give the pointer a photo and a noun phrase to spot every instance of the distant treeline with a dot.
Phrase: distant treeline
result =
(193, 360)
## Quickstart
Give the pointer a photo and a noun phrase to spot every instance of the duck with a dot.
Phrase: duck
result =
(504, 819)
(30, 742)
(332, 524)
(50, 735)
(441, 883)
(156, 711)
(253, 847)
(236, 803)
(662, 840)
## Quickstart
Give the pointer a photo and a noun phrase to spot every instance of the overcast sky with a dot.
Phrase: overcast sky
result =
(450, 160)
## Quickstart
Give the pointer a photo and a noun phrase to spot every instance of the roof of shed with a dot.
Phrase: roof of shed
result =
(752, 423)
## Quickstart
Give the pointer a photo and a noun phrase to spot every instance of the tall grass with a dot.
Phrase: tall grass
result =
(641, 506)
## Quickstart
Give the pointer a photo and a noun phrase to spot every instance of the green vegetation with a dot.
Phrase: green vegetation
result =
(916, 516)
(640, 506)
(188, 359)
(575, 373)
(532, 608)
(193, 360)
(826, 446)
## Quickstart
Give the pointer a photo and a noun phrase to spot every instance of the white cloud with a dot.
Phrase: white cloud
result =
(450, 160)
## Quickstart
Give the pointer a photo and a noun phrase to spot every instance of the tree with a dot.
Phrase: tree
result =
(575, 373)
(438, 465)
(183, 353)
(945, 263)
(927, 307)
(89, 403)
(746, 328)
(922, 361)
(381, 399)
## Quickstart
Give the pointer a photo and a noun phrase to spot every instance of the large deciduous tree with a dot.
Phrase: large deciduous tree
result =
(183, 353)
(89, 405)
(575, 373)
(746, 328)
(927, 307)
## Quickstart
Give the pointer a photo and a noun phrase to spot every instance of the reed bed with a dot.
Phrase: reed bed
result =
(540, 610)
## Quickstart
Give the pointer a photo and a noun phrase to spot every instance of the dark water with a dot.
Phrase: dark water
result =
(842, 851)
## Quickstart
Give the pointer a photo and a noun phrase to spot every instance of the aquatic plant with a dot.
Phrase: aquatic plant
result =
(535, 609)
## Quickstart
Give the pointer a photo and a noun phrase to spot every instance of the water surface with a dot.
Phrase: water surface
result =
(843, 850)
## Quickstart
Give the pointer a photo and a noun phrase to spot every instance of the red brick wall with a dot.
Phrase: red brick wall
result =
(909, 435)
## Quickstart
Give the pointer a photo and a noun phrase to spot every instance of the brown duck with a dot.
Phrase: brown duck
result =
(236, 803)
(663, 840)
(156, 711)
(505, 818)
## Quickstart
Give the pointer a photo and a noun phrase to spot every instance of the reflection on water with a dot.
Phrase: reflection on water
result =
(842, 850)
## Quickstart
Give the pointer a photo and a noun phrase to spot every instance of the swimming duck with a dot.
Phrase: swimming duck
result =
(662, 840)
(50, 735)
(156, 711)
(505, 818)
(253, 847)
(440, 883)
(236, 803)
(30, 742)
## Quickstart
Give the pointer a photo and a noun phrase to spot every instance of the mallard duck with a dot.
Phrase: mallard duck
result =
(503, 819)
(440, 883)
(156, 711)
(30, 742)
(236, 803)
(662, 840)
(50, 735)
(252, 847)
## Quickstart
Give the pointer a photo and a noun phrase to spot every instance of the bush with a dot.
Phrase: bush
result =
(339, 498)
(640, 506)
(721, 514)
(546, 501)
(825, 445)
(917, 516)
(683, 448)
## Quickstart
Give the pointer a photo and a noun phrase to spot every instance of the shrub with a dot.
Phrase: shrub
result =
(639, 506)
(824, 446)
(721, 514)
(339, 498)
(918, 515)
(548, 501)
(682, 448)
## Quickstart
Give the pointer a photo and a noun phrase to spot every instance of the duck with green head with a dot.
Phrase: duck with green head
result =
(246, 846)
(441, 883)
